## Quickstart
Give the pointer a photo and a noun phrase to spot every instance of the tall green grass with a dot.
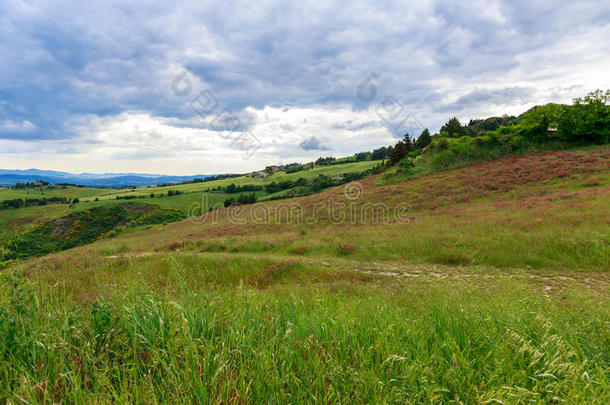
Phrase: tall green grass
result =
(337, 341)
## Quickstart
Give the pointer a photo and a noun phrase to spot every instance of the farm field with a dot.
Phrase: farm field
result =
(70, 192)
(333, 170)
(192, 195)
(490, 285)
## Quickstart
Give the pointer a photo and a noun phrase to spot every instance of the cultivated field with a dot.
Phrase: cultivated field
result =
(70, 192)
(199, 188)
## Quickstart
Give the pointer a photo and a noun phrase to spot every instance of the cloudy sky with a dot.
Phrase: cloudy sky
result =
(213, 87)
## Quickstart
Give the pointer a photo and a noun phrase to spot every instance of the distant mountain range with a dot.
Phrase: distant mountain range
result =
(11, 177)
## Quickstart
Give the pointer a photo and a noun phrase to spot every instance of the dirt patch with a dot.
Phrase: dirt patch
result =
(138, 209)
(62, 225)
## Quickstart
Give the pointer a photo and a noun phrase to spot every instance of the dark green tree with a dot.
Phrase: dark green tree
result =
(362, 156)
(453, 128)
(401, 149)
(423, 140)
(379, 154)
(246, 199)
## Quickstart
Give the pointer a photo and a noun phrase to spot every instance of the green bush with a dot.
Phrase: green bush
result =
(165, 215)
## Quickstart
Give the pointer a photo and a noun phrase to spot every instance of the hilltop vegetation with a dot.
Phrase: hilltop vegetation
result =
(551, 126)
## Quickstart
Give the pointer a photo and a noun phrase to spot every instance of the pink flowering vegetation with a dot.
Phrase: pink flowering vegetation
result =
(271, 274)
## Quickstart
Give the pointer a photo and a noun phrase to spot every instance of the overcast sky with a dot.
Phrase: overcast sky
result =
(214, 87)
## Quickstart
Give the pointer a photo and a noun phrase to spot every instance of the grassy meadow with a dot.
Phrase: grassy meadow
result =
(489, 285)
(70, 192)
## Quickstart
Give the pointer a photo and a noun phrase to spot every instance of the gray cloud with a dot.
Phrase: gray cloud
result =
(66, 61)
(312, 143)
(506, 96)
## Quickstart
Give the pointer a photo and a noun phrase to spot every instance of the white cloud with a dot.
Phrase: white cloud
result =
(18, 127)
(137, 141)
(90, 84)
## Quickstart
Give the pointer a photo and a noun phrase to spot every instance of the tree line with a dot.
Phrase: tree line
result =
(31, 202)
(586, 121)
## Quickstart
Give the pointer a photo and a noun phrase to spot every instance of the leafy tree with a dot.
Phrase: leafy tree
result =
(401, 149)
(408, 143)
(423, 140)
(380, 154)
(478, 127)
(321, 182)
(362, 156)
(588, 119)
(325, 161)
(246, 199)
(398, 153)
(535, 123)
(389, 152)
(453, 128)
(229, 201)
(294, 168)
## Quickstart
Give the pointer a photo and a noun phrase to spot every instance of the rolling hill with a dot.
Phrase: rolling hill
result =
(486, 283)
(181, 197)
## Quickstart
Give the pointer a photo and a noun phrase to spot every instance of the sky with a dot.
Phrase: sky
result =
(230, 87)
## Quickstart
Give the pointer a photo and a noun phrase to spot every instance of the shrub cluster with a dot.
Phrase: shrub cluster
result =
(31, 202)
(241, 200)
(586, 121)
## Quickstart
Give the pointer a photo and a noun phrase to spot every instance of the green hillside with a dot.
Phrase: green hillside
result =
(490, 286)
(192, 194)
(330, 171)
